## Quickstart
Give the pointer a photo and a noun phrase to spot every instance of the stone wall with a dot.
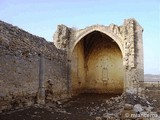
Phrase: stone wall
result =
(128, 37)
(19, 68)
(34, 70)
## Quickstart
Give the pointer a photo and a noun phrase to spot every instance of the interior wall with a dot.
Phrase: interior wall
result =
(97, 65)
(78, 69)
(105, 68)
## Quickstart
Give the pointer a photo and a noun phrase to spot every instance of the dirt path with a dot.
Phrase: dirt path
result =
(81, 107)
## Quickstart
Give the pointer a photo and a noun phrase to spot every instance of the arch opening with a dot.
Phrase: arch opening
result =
(97, 65)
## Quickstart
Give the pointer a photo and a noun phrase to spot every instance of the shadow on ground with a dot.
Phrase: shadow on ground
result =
(81, 107)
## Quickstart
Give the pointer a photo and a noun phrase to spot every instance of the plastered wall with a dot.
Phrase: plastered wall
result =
(99, 67)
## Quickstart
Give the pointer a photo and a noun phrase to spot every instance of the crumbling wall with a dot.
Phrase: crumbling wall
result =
(128, 37)
(133, 47)
(19, 68)
(78, 70)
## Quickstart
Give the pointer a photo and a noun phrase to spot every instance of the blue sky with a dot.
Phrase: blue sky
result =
(41, 17)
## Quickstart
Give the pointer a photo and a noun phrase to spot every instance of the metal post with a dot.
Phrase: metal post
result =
(41, 91)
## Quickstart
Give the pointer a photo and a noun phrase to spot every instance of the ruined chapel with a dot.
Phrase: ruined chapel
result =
(96, 59)
(103, 58)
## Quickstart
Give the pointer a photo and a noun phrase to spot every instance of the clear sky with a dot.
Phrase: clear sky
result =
(41, 17)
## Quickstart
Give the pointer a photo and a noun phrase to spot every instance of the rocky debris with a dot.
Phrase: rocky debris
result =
(131, 91)
(135, 99)
(108, 116)
(59, 103)
(112, 108)
(94, 110)
(98, 118)
(153, 98)
(138, 108)
(128, 107)
(116, 101)
(17, 102)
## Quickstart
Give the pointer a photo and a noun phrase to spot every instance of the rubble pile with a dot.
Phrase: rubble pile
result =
(139, 107)
(107, 110)
(114, 107)
(129, 106)
(124, 107)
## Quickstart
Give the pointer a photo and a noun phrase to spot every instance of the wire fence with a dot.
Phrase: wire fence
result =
(150, 85)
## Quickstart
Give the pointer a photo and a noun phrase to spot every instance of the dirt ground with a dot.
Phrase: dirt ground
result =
(81, 107)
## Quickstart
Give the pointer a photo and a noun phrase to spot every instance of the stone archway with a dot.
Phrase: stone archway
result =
(97, 65)
(127, 41)
(109, 31)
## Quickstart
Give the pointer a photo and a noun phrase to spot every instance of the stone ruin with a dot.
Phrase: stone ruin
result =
(99, 59)
(103, 58)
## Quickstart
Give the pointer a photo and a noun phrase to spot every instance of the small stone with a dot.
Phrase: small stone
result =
(35, 112)
(128, 107)
(59, 103)
(91, 113)
(102, 104)
(158, 110)
(98, 118)
(108, 116)
(149, 109)
(138, 108)
(154, 100)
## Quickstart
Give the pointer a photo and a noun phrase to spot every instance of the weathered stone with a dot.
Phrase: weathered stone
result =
(19, 66)
(148, 109)
(98, 118)
(128, 107)
(61, 36)
(90, 65)
(138, 108)
(108, 116)
(83, 65)
(59, 103)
